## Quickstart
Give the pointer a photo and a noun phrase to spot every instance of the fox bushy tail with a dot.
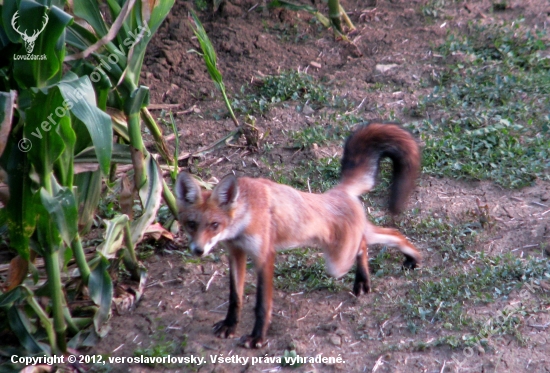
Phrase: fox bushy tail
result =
(365, 148)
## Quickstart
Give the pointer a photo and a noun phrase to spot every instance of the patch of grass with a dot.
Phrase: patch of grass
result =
(501, 152)
(435, 8)
(491, 102)
(295, 86)
(304, 270)
(444, 298)
(440, 234)
(335, 132)
(288, 86)
(319, 135)
(385, 263)
(160, 347)
(317, 175)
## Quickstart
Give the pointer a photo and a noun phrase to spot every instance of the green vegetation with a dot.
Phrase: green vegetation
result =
(210, 60)
(288, 86)
(492, 107)
(335, 132)
(160, 347)
(445, 298)
(304, 270)
(439, 234)
(433, 9)
(55, 118)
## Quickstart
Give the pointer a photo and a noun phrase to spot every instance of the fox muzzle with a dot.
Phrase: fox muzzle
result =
(196, 249)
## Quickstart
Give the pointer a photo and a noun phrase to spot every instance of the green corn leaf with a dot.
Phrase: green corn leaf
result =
(138, 100)
(121, 154)
(7, 103)
(118, 230)
(80, 93)
(9, 298)
(21, 326)
(21, 210)
(89, 11)
(42, 131)
(101, 292)
(80, 37)
(113, 236)
(48, 236)
(151, 196)
(64, 164)
(146, 18)
(61, 206)
(88, 185)
(209, 55)
(50, 44)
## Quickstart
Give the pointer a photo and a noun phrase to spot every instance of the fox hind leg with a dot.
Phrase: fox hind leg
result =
(391, 237)
(362, 275)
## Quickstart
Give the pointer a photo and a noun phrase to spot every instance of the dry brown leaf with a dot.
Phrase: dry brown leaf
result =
(17, 272)
(126, 199)
(156, 231)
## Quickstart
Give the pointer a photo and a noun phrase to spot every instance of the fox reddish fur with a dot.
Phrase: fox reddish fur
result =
(258, 217)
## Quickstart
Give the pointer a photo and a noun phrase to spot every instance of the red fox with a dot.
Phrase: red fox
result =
(258, 217)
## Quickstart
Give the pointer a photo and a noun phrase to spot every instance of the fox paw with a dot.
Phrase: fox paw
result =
(223, 330)
(410, 262)
(249, 341)
(359, 286)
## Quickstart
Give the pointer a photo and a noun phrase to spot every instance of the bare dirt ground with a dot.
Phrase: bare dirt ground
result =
(186, 297)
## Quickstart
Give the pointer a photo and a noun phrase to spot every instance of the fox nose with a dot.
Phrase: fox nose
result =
(195, 249)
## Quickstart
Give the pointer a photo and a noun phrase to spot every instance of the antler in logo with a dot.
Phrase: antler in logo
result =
(29, 40)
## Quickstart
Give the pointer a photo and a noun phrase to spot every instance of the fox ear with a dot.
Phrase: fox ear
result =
(187, 190)
(227, 190)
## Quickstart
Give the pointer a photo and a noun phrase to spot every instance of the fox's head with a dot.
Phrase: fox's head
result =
(204, 215)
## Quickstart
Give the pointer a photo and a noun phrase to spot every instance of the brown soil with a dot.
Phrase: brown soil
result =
(177, 307)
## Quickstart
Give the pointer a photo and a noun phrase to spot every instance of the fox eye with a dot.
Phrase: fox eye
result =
(191, 225)
(215, 225)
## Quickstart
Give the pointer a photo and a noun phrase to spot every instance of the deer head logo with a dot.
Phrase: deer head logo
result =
(29, 40)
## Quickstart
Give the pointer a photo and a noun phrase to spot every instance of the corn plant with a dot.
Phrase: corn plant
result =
(210, 59)
(249, 130)
(118, 53)
(54, 119)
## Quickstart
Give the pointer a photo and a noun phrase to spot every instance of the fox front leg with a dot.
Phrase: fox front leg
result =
(237, 270)
(264, 302)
